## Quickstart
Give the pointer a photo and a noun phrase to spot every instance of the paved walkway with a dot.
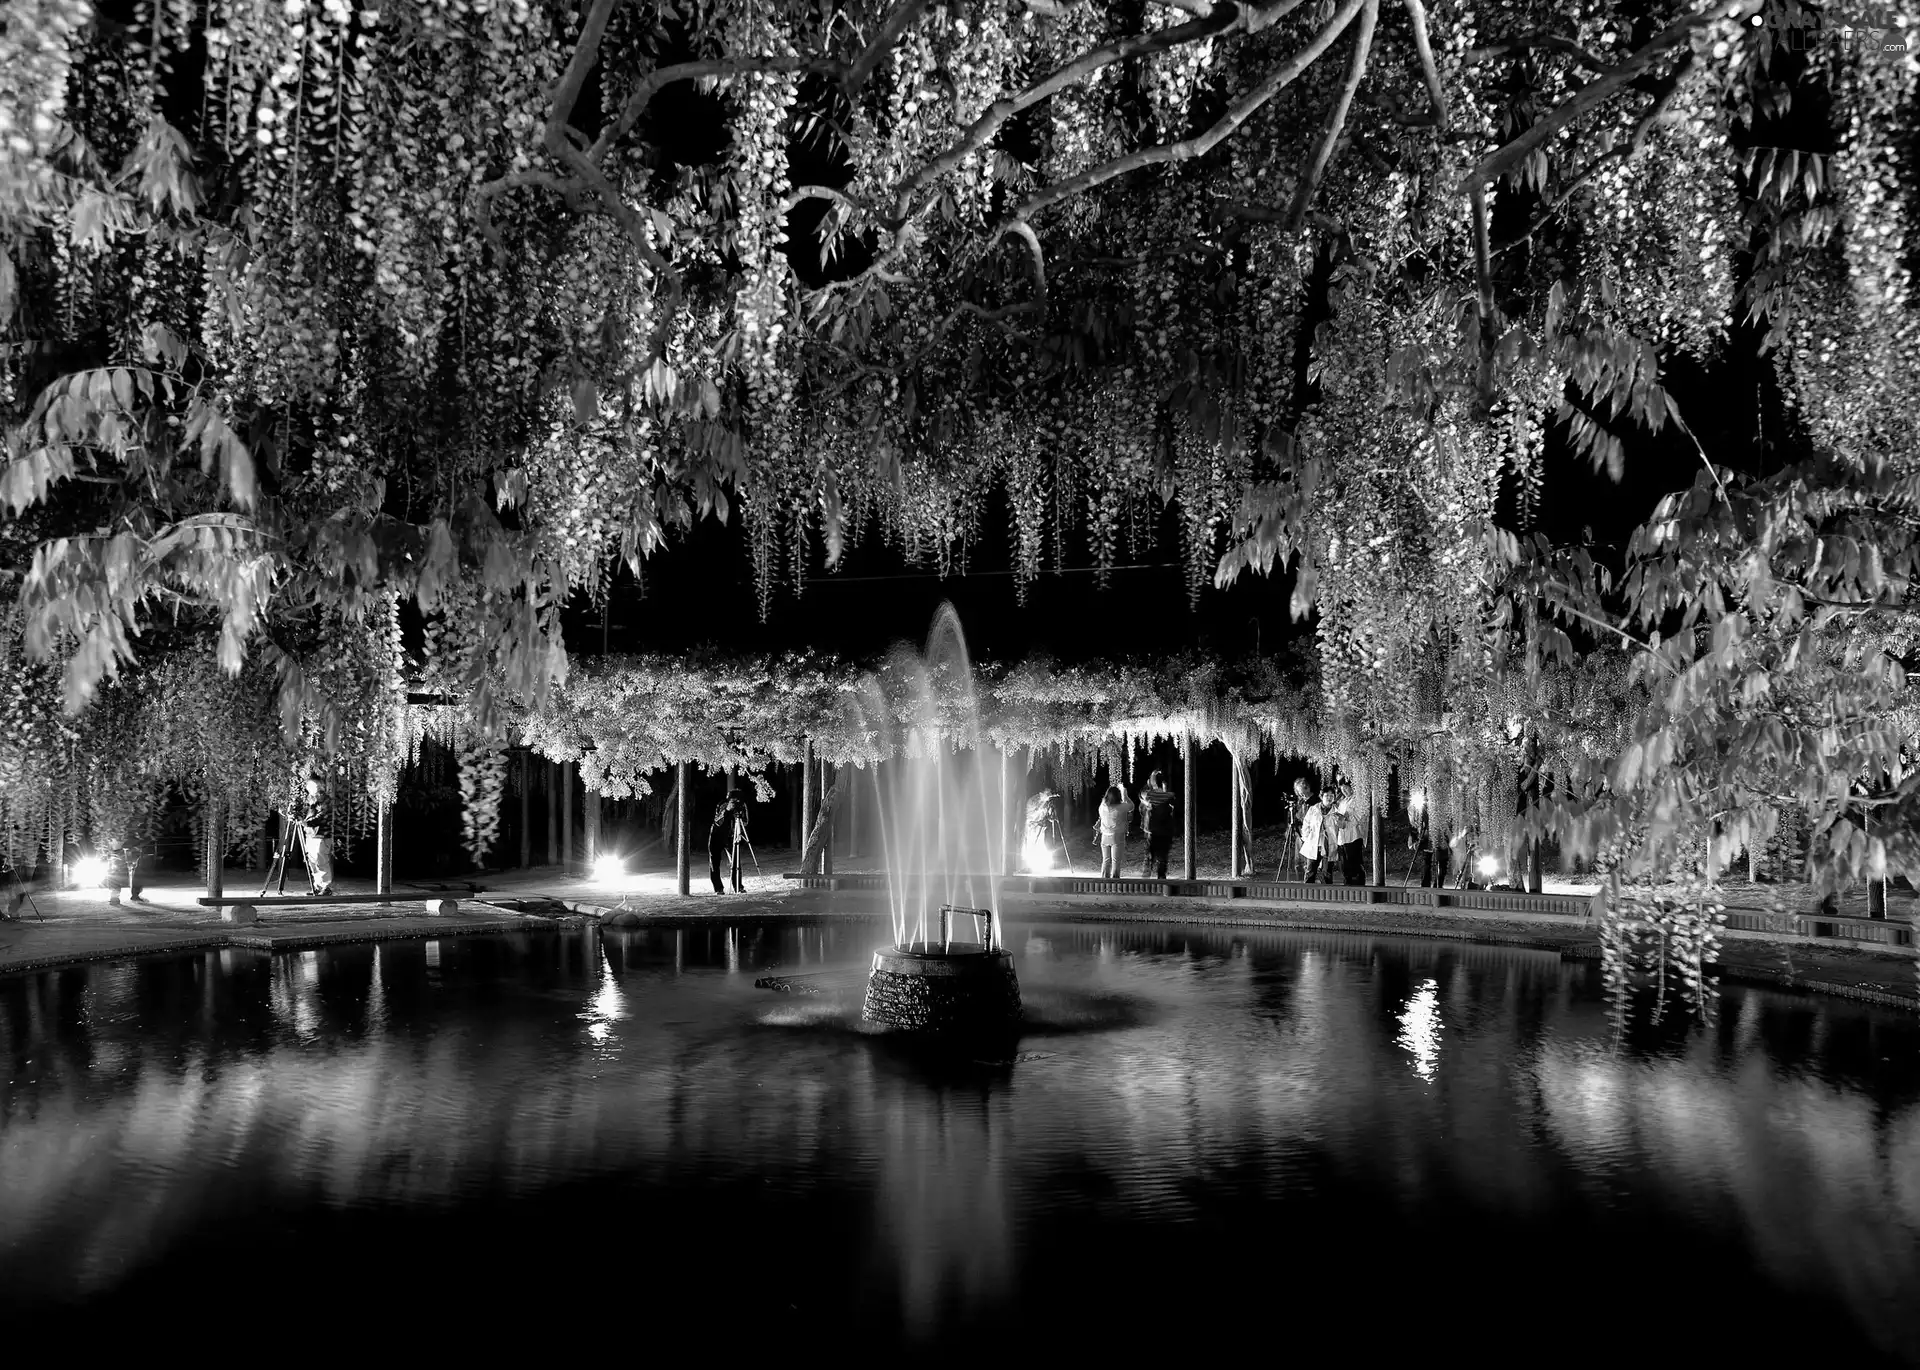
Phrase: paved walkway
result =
(80, 925)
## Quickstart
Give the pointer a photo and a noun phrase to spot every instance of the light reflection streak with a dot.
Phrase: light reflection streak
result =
(1420, 1028)
(607, 1007)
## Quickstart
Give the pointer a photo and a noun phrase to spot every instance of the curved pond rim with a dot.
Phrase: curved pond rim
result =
(1800, 965)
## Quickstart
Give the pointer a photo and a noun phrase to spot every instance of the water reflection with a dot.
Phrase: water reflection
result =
(1301, 1104)
(1420, 1028)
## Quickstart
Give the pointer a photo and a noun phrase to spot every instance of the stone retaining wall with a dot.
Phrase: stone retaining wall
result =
(942, 994)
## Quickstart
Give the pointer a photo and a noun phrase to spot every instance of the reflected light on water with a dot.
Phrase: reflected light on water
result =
(1169, 1097)
(607, 1007)
(1420, 1028)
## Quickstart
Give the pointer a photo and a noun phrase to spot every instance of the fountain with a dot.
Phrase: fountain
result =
(946, 972)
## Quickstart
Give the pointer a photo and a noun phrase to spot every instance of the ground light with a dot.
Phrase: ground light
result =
(1489, 866)
(609, 869)
(89, 870)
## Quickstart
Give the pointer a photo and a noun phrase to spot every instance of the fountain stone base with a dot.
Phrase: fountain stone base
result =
(960, 989)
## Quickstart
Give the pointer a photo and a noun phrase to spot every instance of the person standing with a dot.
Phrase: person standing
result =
(1420, 843)
(729, 830)
(132, 852)
(1116, 816)
(1313, 833)
(1327, 849)
(1352, 849)
(114, 872)
(310, 814)
(1159, 818)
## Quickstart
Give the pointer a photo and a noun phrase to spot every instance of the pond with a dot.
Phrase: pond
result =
(1209, 1139)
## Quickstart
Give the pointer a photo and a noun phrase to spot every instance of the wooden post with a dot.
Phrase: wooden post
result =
(1373, 843)
(859, 817)
(552, 852)
(809, 800)
(526, 810)
(383, 852)
(566, 817)
(683, 815)
(1190, 828)
(1009, 816)
(216, 850)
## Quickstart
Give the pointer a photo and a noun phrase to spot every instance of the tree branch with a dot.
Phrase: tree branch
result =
(1529, 42)
(1436, 94)
(660, 78)
(1187, 148)
(903, 18)
(586, 54)
(1482, 252)
(484, 197)
(981, 132)
(800, 194)
(1337, 119)
(1626, 152)
(1499, 162)
(1024, 230)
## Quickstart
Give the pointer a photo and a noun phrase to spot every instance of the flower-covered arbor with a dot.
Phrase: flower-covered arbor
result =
(310, 309)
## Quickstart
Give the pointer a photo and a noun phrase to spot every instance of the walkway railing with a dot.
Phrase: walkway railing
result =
(1272, 891)
(1887, 932)
(1825, 927)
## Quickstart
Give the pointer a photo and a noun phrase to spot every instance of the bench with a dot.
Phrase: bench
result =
(245, 908)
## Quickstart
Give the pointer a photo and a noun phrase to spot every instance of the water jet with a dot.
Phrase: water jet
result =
(946, 973)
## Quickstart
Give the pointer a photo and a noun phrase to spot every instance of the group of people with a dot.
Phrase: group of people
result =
(1330, 835)
(1158, 819)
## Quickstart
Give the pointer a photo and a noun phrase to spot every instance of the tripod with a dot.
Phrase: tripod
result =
(290, 828)
(1290, 844)
(1058, 834)
(22, 894)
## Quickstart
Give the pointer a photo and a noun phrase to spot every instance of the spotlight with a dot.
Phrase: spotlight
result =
(609, 869)
(89, 870)
(1489, 866)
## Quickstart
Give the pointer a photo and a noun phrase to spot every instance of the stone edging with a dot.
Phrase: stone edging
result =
(250, 938)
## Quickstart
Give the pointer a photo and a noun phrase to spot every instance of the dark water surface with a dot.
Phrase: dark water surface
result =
(1236, 1145)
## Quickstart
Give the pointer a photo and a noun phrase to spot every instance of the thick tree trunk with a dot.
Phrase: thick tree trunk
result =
(1379, 852)
(820, 834)
(1233, 815)
(1190, 828)
(830, 783)
(809, 807)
